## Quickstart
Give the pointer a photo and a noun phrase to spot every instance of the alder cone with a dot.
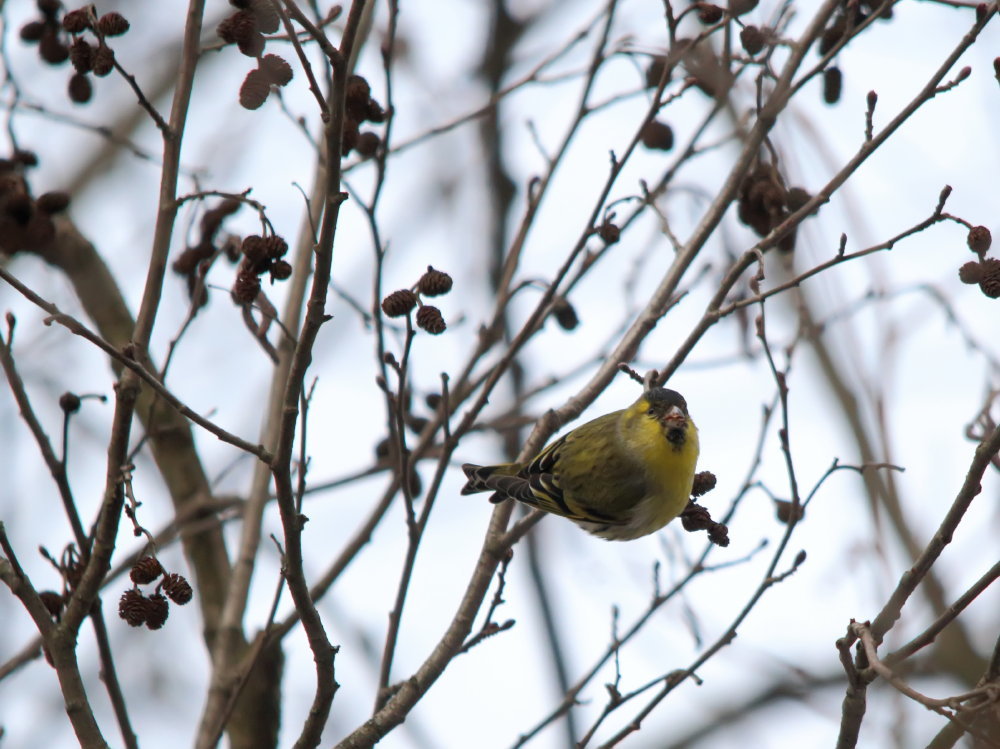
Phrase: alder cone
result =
(254, 91)
(430, 319)
(399, 303)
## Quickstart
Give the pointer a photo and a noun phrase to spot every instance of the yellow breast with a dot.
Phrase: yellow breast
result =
(669, 466)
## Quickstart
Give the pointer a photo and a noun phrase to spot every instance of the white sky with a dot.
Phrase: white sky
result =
(933, 383)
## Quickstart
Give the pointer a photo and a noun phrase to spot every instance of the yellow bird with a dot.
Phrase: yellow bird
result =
(621, 476)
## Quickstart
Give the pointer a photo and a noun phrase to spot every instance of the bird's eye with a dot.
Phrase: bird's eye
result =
(651, 412)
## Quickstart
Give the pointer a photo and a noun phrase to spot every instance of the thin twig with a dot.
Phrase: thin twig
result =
(926, 637)
(76, 327)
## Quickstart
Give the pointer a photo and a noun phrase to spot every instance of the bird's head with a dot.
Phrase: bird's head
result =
(663, 410)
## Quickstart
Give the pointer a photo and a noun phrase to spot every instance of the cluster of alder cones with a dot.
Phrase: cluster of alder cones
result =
(80, 36)
(136, 608)
(400, 303)
(985, 271)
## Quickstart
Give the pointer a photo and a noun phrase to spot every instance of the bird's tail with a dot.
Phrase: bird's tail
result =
(479, 476)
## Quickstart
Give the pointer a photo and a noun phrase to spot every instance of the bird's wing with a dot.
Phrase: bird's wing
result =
(534, 484)
(541, 487)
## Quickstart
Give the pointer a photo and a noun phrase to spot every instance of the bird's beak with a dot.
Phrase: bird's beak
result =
(675, 416)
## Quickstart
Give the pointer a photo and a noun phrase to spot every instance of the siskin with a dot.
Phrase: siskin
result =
(621, 476)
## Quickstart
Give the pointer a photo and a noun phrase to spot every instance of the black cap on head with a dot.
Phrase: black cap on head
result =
(664, 398)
